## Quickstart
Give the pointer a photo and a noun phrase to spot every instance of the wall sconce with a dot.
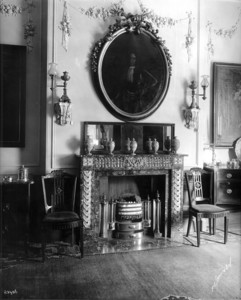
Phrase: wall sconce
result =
(62, 108)
(191, 113)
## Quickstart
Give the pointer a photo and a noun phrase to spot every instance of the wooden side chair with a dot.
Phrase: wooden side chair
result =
(59, 191)
(200, 207)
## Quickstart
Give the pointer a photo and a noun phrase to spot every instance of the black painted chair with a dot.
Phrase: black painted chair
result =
(201, 207)
(59, 192)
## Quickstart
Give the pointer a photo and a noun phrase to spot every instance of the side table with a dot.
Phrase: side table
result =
(15, 198)
(226, 185)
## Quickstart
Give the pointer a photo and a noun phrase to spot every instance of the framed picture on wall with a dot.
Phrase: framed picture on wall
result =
(131, 70)
(226, 104)
(12, 95)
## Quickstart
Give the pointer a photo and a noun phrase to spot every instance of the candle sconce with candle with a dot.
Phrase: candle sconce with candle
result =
(62, 108)
(191, 113)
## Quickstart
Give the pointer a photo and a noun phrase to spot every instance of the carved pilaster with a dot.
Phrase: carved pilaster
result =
(86, 176)
(177, 203)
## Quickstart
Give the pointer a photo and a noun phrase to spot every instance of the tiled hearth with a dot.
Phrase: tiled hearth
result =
(105, 178)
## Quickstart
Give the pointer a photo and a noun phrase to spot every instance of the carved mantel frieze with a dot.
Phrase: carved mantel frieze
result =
(131, 162)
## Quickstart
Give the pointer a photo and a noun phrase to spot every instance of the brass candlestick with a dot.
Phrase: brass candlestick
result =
(103, 229)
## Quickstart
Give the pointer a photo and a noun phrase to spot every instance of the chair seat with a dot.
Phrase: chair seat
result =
(208, 208)
(61, 216)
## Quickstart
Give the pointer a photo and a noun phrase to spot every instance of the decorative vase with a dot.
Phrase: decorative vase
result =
(149, 145)
(133, 146)
(111, 146)
(128, 145)
(167, 143)
(155, 146)
(89, 145)
(175, 144)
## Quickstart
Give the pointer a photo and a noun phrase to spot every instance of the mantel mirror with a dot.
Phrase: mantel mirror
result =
(102, 132)
(131, 68)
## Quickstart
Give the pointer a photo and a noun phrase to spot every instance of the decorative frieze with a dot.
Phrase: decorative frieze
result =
(131, 162)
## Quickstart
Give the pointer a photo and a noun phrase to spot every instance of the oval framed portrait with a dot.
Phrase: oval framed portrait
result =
(132, 72)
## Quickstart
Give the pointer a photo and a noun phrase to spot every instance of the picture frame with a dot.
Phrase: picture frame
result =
(226, 103)
(131, 68)
(13, 95)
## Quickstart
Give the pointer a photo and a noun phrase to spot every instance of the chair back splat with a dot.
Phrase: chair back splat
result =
(59, 190)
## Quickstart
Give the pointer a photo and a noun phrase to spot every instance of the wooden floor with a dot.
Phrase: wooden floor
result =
(211, 271)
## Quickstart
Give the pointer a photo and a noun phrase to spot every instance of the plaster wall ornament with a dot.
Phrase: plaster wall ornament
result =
(117, 10)
(10, 9)
(29, 27)
(229, 32)
(65, 26)
(221, 32)
(189, 36)
(210, 46)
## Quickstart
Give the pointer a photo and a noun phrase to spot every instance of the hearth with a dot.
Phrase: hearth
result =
(111, 222)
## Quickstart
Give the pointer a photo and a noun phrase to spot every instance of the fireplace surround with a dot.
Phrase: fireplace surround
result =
(155, 178)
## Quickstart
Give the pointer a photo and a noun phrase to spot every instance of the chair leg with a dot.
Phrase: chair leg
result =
(43, 246)
(81, 242)
(198, 225)
(226, 220)
(72, 237)
(214, 226)
(26, 245)
(189, 224)
(210, 225)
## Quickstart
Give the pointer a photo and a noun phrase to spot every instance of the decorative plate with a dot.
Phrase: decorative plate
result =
(237, 149)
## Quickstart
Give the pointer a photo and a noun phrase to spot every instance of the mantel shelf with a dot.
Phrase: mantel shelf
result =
(134, 162)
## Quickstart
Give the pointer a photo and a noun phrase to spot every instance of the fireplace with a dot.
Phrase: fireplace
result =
(155, 180)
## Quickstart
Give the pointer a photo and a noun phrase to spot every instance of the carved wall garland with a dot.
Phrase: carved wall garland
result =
(10, 9)
(29, 27)
(189, 37)
(221, 32)
(134, 23)
(116, 10)
(65, 27)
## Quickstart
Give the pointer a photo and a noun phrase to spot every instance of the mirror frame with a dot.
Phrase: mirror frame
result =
(131, 35)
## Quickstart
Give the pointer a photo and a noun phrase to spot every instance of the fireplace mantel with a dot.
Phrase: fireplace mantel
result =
(95, 171)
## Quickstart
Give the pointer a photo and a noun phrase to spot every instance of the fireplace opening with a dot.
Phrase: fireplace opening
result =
(134, 206)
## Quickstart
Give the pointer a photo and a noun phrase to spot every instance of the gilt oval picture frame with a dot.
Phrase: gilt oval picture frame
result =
(131, 70)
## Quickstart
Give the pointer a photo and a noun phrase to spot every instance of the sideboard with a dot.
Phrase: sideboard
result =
(226, 185)
(15, 212)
